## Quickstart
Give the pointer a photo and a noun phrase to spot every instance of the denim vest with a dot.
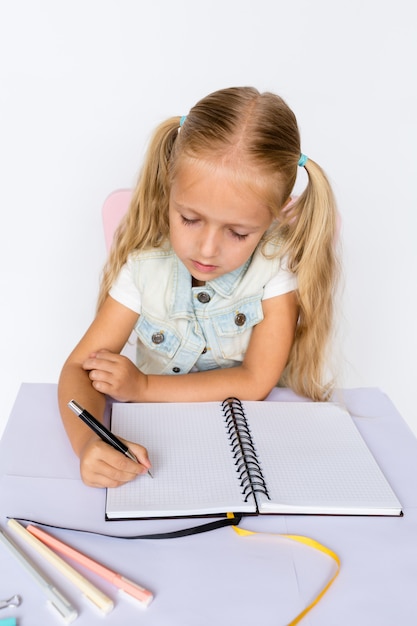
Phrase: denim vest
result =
(183, 327)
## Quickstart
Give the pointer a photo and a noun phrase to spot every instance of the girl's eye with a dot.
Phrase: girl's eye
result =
(190, 222)
(238, 236)
(186, 221)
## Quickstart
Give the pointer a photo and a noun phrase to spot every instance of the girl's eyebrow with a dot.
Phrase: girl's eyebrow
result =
(183, 207)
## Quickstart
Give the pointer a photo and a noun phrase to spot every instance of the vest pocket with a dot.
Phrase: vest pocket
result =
(158, 336)
(233, 328)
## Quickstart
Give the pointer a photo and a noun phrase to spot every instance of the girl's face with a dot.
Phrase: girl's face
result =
(215, 222)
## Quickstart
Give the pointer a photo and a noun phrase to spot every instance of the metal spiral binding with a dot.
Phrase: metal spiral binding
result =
(243, 449)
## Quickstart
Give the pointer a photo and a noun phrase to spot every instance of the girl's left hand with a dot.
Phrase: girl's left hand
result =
(115, 375)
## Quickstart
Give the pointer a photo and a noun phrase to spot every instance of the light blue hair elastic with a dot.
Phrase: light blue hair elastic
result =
(182, 120)
(303, 160)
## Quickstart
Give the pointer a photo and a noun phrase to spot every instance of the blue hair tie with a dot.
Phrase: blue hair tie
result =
(182, 120)
(303, 160)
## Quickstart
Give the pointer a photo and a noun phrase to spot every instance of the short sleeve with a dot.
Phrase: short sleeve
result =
(124, 289)
(282, 282)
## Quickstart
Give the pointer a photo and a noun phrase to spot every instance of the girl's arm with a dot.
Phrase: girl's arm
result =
(265, 360)
(100, 464)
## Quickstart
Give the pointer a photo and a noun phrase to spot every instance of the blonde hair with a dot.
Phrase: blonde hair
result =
(257, 130)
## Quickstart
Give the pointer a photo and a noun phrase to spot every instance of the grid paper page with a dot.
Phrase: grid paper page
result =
(314, 460)
(192, 467)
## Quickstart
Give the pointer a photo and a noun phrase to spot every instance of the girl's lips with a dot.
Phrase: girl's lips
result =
(201, 267)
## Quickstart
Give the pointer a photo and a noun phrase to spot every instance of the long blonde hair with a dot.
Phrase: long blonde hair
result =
(261, 131)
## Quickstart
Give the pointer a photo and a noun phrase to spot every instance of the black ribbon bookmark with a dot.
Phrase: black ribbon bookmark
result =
(184, 532)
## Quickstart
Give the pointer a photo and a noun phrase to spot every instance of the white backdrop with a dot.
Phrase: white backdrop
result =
(83, 83)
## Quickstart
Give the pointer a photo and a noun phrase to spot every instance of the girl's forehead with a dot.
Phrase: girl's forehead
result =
(246, 178)
(234, 171)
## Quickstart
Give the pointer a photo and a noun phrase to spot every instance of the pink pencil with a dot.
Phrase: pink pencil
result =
(144, 596)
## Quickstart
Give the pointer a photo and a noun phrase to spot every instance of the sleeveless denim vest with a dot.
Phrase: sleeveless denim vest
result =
(183, 327)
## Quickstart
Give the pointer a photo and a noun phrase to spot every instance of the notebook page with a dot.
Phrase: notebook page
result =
(192, 467)
(314, 460)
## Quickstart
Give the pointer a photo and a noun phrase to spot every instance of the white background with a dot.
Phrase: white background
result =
(82, 85)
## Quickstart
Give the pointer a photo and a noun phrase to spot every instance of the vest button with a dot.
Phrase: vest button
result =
(176, 370)
(240, 319)
(203, 297)
(205, 350)
(158, 337)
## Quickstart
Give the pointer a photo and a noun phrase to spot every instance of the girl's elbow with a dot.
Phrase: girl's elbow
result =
(258, 387)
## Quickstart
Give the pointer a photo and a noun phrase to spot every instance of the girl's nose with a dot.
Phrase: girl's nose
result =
(210, 243)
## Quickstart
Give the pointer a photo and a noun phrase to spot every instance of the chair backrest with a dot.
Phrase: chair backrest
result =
(114, 207)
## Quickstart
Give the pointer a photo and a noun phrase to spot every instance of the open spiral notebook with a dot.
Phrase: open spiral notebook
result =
(249, 457)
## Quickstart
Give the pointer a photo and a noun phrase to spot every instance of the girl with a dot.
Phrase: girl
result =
(227, 281)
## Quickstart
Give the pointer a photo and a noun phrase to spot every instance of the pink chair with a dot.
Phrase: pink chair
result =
(114, 207)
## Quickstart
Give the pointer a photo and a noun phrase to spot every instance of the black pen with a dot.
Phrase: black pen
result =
(102, 431)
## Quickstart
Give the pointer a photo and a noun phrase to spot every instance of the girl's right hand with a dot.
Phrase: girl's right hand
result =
(103, 466)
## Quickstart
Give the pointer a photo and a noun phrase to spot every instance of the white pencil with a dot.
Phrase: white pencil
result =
(54, 597)
(97, 597)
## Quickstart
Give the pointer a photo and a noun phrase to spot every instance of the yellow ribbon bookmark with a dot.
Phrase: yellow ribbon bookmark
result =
(311, 543)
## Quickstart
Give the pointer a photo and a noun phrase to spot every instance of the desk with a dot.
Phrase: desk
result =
(214, 577)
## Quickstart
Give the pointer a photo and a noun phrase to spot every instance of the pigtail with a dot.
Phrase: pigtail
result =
(310, 243)
(145, 224)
